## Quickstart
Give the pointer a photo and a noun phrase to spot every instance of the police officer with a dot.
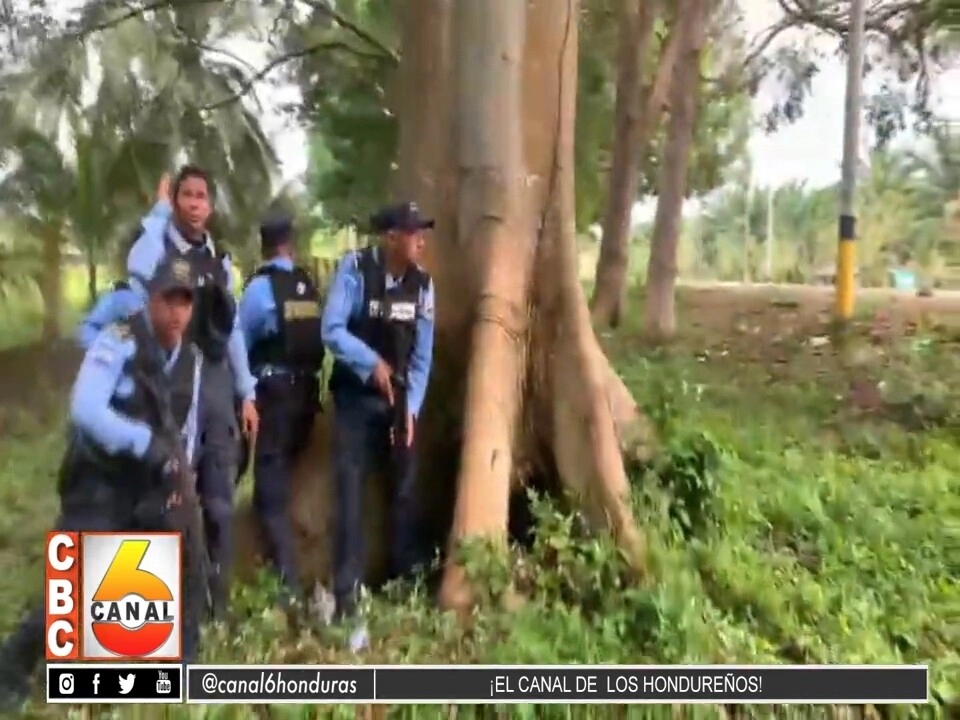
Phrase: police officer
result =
(122, 469)
(378, 324)
(280, 317)
(176, 227)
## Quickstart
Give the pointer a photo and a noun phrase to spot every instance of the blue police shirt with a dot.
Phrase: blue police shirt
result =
(146, 254)
(101, 378)
(345, 301)
(110, 307)
(258, 308)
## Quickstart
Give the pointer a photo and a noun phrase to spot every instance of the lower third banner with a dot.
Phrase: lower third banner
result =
(478, 684)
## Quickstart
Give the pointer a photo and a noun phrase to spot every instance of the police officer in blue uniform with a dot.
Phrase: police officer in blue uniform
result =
(176, 227)
(121, 470)
(280, 317)
(378, 324)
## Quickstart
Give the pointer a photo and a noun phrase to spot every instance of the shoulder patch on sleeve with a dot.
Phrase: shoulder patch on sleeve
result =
(101, 354)
(120, 331)
(427, 303)
(112, 344)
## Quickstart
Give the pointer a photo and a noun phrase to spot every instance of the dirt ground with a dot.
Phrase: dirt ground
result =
(719, 307)
(711, 313)
(33, 377)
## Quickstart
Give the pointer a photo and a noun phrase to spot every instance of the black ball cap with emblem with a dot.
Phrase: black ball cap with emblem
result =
(404, 217)
(173, 275)
(275, 230)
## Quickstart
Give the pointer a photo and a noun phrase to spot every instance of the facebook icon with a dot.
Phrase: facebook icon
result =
(96, 683)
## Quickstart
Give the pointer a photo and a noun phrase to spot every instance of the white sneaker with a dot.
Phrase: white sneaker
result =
(359, 639)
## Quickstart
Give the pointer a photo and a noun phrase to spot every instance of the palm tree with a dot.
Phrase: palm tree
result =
(80, 167)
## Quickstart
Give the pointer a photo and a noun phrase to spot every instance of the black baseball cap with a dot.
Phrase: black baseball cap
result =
(173, 275)
(404, 217)
(275, 230)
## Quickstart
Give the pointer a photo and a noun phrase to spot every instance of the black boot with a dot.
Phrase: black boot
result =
(219, 588)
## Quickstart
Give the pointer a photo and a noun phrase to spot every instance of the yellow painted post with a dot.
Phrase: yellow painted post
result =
(845, 281)
(846, 276)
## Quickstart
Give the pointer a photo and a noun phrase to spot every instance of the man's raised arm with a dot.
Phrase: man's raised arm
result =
(148, 249)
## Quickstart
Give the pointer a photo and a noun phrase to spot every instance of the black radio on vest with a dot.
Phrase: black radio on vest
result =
(297, 346)
(214, 308)
(388, 319)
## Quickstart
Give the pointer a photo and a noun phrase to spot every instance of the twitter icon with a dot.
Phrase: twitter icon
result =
(126, 683)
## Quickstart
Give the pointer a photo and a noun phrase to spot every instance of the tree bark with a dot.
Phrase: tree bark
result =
(637, 19)
(660, 312)
(493, 218)
(520, 387)
(631, 144)
(91, 277)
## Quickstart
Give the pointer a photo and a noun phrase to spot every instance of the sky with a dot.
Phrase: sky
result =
(809, 150)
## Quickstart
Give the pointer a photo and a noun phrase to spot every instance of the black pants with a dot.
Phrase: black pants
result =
(90, 504)
(362, 443)
(287, 405)
(218, 457)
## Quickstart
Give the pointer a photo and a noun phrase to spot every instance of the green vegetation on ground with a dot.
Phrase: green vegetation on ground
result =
(785, 527)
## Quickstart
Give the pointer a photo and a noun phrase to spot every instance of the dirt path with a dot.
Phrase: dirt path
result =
(30, 375)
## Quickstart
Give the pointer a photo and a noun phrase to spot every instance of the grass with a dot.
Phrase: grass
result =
(789, 520)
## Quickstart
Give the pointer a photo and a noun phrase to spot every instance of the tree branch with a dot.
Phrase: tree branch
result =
(835, 17)
(132, 13)
(347, 24)
(260, 74)
(766, 38)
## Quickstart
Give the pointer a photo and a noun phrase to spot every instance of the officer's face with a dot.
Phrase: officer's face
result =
(408, 246)
(193, 203)
(169, 315)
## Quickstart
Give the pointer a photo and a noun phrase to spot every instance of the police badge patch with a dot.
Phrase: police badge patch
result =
(104, 351)
(426, 306)
(181, 270)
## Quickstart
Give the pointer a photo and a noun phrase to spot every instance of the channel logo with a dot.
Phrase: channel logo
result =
(113, 596)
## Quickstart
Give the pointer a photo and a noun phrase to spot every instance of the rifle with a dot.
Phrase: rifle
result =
(185, 517)
(399, 449)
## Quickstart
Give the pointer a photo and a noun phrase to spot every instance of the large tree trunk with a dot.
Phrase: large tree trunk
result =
(662, 269)
(520, 387)
(91, 277)
(637, 117)
(637, 18)
(495, 218)
(544, 367)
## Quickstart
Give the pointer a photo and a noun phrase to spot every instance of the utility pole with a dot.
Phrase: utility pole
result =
(747, 240)
(769, 242)
(847, 227)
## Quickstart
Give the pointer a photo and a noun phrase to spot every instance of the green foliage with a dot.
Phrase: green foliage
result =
(773, 540)
(355, 130)
(903, 207)
(349, 107)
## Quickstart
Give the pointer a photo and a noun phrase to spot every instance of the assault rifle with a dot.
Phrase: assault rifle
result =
(186, 516)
